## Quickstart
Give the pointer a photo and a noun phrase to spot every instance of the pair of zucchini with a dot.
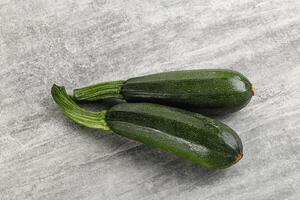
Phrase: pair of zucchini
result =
(189, 135)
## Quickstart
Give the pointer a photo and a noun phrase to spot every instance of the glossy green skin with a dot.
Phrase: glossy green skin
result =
(208, 91)
(189, 135)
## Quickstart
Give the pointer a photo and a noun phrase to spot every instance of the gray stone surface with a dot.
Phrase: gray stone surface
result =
(43, 155)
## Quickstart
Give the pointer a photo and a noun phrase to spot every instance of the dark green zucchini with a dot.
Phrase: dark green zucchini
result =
(208, 91)
(189, 135)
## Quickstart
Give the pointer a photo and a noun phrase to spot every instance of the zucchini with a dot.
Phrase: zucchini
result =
(189, 135)
(207, 91)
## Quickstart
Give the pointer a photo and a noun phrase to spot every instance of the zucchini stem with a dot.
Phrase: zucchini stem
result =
(76, 113)
(99, 91)
(253, 89)
(238, 157)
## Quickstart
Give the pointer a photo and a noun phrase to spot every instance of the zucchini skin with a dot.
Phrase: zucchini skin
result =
(207, 91)
(189, 135)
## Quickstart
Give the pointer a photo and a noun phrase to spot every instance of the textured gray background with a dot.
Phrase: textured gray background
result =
(43, 155)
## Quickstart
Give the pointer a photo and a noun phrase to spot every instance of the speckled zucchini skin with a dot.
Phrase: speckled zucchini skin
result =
(189, 135)
(208, 91)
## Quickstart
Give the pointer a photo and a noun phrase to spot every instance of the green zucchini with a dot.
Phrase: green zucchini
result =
(189, 135)
(207, 91)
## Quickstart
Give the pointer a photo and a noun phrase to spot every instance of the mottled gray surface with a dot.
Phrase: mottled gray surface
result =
(43, 155)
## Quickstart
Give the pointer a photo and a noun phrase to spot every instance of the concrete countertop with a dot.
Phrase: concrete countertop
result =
(43, 155)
